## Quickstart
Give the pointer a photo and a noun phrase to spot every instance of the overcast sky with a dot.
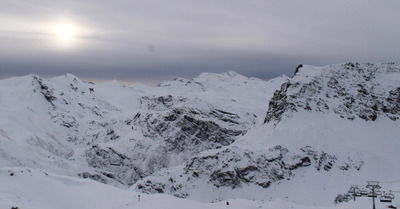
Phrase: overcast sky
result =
(153, 40)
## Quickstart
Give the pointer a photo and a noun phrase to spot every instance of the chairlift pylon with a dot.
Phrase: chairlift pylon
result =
(354, 190)
(372, 194)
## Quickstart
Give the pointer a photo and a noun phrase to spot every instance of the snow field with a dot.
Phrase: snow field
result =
(38, 189)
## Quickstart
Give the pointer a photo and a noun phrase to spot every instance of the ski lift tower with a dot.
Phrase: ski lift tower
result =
(373, 186)
(354, 191)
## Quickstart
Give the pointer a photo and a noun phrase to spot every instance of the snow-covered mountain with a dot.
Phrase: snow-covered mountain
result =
(304, 139)
(114, 133)
(366, 91)
(325, 128)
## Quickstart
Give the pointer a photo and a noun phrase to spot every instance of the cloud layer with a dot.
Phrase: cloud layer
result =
(154, 40)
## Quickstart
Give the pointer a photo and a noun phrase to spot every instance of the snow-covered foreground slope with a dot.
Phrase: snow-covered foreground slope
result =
(37, 189)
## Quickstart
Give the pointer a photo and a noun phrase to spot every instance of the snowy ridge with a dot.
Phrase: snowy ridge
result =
(113, 133)
(212, 138)
(350, 90)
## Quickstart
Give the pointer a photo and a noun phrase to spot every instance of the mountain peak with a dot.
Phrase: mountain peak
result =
(231, 73)
(213, 81)
(351, 90)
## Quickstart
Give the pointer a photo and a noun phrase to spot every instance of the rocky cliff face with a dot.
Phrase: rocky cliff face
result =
(351, 90)
(236, 168)
(172, 121)
(172, 135)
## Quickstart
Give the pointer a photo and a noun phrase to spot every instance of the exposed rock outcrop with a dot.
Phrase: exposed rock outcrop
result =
(350, 90)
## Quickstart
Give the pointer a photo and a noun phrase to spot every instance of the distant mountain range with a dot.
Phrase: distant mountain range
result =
(213, 137)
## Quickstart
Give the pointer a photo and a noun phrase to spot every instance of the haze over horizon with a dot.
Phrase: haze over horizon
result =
(136, 41)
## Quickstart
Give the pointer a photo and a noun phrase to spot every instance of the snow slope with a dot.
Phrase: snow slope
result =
(38, 189)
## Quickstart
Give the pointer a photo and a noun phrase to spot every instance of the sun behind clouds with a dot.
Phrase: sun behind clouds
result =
(65, 32)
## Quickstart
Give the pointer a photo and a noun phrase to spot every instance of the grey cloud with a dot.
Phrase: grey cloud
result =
(159, 39)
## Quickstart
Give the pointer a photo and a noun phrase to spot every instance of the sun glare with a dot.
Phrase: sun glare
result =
(65, 35)
(65, 32)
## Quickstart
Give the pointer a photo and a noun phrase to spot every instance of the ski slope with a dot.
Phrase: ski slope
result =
(38, 189)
